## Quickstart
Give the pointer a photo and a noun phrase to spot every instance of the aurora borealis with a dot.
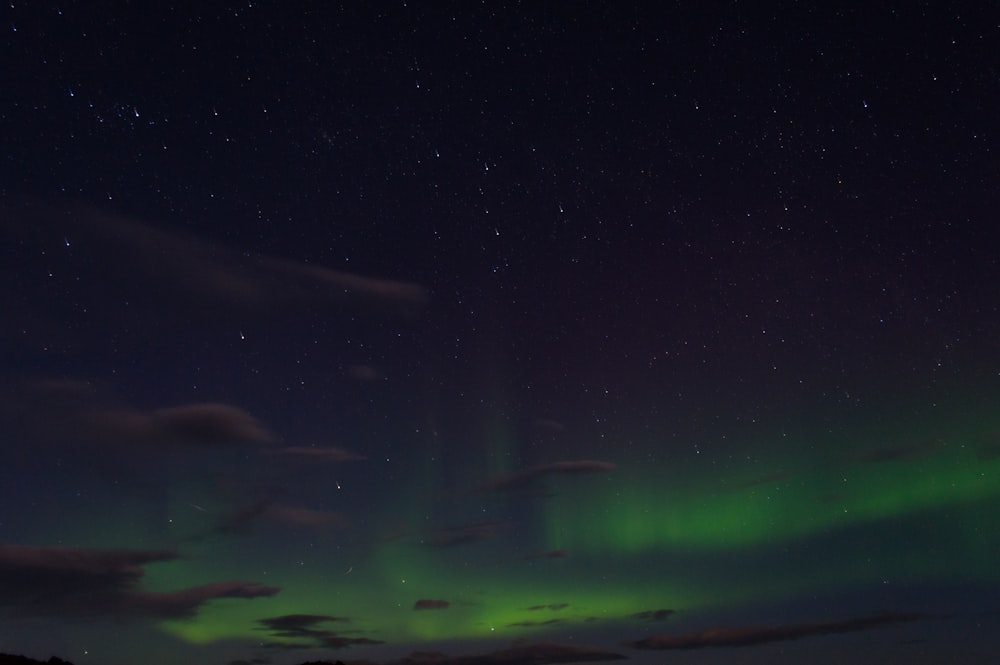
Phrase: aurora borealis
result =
(508, 334)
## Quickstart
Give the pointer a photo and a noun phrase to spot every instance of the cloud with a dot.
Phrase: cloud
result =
(549, 424)
(296, 622)
(185, 603)
(431, 604)
(653, 615)
(324, 454)
(521, 478)
(66, 410)
(240, 520)
(553, 606)
(196, 271)
(66, 581)
(533, 624)
(304, 629)
(753, 635)
(205, 424)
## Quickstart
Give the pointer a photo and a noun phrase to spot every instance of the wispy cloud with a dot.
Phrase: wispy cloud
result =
(197, 270)
(753, 635)
(549, 424)
(66, 581)
(431, 604)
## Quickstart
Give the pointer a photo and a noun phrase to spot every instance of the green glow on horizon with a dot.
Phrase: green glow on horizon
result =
(640, 538)
(484, 602)
(639, 511)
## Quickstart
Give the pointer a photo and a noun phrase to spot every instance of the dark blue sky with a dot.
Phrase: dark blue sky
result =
(512, 333)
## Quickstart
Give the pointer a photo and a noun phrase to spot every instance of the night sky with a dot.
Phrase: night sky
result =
(508, 333)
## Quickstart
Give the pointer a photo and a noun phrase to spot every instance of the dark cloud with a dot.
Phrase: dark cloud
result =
(305, 630)
(569, 467)
(324, 454)
(431, 604)
(299, 621)
(185, 603)
(61, 581)
(553, 606)
(653, 615)
(68, 410)
(753, 635)
(532, 624)
(77, 563)
(190, 424)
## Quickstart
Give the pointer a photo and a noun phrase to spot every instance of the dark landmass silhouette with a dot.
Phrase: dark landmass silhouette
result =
(10, 659)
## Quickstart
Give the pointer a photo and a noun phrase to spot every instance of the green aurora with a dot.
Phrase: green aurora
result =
(644, 537)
